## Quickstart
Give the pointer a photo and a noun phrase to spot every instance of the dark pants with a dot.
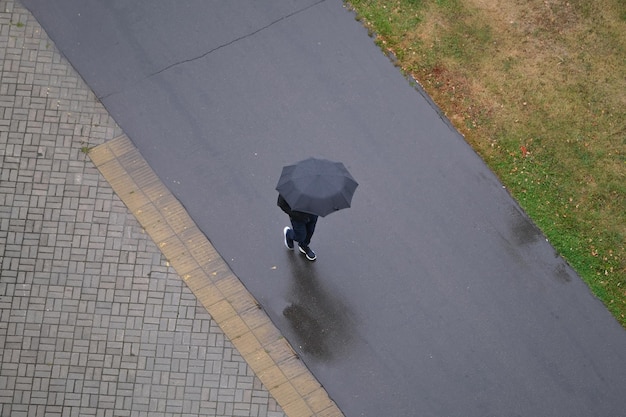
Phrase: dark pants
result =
(302, 232)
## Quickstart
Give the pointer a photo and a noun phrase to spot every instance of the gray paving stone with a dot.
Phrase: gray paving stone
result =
(93, 322)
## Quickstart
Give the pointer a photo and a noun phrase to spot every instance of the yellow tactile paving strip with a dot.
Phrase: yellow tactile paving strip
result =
(208, 276)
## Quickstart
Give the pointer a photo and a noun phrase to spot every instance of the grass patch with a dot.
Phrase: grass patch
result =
(538, 88)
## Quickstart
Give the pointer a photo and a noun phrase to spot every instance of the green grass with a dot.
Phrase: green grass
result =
(539, 90)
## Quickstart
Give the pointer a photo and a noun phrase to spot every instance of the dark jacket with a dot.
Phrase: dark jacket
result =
(298, 216)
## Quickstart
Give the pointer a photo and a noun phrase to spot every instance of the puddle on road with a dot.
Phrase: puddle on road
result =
(319, 320)
(524, 231)
(562, 274)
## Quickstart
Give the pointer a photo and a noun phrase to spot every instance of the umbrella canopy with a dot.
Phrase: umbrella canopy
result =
(317, 186)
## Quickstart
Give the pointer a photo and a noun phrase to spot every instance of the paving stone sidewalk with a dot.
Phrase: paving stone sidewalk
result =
(93, 321)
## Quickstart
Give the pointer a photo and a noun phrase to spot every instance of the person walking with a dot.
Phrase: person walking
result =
(301, 230)
(313, 187)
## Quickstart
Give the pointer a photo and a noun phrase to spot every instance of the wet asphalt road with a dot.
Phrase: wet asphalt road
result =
(434, 295)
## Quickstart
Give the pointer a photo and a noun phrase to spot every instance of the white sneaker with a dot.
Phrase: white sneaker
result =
(288, 242)
(310, 255)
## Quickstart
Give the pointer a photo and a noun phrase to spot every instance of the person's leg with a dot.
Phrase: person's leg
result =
(302, 233)
(310, 229)
(304, 246)
(298, 232)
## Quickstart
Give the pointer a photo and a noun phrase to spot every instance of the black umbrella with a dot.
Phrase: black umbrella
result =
(317, 186)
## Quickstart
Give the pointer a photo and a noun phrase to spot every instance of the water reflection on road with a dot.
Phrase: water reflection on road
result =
(319, 320)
